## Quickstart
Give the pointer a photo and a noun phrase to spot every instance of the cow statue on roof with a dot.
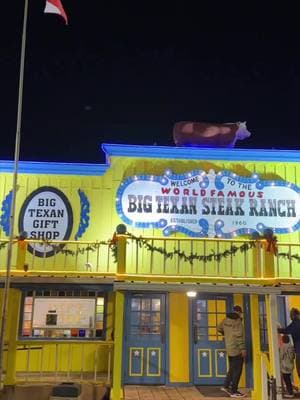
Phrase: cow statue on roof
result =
(204, 134)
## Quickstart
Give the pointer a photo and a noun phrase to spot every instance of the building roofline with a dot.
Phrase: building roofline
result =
(57, 168)
(161, 152)
(196, 153)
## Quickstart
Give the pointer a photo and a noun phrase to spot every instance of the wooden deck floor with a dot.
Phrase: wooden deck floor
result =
(170, 393)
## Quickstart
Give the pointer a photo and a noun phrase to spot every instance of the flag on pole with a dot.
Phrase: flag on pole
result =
(55, 7)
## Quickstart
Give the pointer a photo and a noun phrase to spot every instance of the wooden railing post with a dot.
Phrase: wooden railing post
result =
(21, 254)
(121, 254)
(268, 261)
(257, 259)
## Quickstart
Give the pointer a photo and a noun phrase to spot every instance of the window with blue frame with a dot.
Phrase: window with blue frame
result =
(263, 329)
(145, 316)
(55, 314)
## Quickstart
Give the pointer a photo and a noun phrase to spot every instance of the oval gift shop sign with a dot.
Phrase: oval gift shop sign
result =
(46, 215)
(209, 204)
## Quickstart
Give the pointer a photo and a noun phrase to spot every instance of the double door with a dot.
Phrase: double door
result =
(209, 354)
(145, 339)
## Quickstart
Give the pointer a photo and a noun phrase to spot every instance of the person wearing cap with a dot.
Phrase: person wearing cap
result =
(233, 331)
(294, 329)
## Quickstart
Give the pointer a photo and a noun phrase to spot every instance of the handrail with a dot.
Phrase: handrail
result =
(188, 239)
(159, 238)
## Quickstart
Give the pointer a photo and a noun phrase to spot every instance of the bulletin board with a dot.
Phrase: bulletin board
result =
(64, 313)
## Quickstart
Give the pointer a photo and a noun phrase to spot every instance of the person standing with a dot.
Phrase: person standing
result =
(294, 329)
(232, 329)
(287, 356)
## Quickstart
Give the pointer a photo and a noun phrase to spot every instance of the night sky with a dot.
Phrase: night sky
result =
(125, 72)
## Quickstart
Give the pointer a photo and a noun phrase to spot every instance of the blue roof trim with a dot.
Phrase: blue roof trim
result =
(194, 153)
(31, 167)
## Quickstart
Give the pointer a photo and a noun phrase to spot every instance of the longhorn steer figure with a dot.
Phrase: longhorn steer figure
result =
(203, 134)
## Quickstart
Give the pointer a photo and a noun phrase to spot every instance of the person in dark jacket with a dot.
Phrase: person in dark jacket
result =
(232, 329)
(294, 329)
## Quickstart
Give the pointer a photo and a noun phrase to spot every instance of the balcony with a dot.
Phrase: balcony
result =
(157, 259)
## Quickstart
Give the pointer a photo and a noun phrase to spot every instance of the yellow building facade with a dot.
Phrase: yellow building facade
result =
(105, 255)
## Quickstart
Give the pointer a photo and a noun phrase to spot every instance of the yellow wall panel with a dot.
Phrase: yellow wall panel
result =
(179, 337)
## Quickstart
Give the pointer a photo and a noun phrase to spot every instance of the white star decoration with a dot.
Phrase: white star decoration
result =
(136, 353)
(153, 353)
(221, 354)
(204, 354)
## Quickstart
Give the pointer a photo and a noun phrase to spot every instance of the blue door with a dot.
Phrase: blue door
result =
(145, 336)
(209, 355)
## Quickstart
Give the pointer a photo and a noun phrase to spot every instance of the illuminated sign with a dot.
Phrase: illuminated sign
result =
(46, 215)
(204, 204)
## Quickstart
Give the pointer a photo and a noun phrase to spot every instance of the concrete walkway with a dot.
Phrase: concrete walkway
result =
(171, 393)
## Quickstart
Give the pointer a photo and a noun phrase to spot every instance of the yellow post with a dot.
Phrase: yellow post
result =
(21, 254)
(256, 355)
(109, 315)
(272, 325)
(117, 390)
(121, 254)
(256, 257)
(238, 301)
(268, 262)
(11, 335)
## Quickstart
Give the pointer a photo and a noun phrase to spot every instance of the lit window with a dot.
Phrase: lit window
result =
(63, 314)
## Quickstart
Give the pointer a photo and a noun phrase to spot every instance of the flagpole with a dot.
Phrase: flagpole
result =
(5, 299)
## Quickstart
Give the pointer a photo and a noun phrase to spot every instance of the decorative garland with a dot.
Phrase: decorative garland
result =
(80, 250)
(142, 242)
(289, 257)
(268, 235)
(57, 249)
(2, 245)
(213, 256)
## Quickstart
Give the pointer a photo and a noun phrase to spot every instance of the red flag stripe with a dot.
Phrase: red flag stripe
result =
(55, 7)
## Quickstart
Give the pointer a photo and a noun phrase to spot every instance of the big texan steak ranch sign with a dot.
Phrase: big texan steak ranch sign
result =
(204, 204)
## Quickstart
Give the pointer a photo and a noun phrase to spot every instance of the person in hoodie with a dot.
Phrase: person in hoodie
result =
(232, 329)
(294, 329)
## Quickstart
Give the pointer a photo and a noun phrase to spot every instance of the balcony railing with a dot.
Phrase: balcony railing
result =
(157, 258)
(59, 257)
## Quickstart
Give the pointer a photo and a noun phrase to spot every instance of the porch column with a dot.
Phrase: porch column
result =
(179, 338)
(272, 324)
(256, 356)
(117, 389)
(12, 335)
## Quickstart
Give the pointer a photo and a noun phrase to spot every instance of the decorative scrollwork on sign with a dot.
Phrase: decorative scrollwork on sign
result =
(5, 216)
(84, 214)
